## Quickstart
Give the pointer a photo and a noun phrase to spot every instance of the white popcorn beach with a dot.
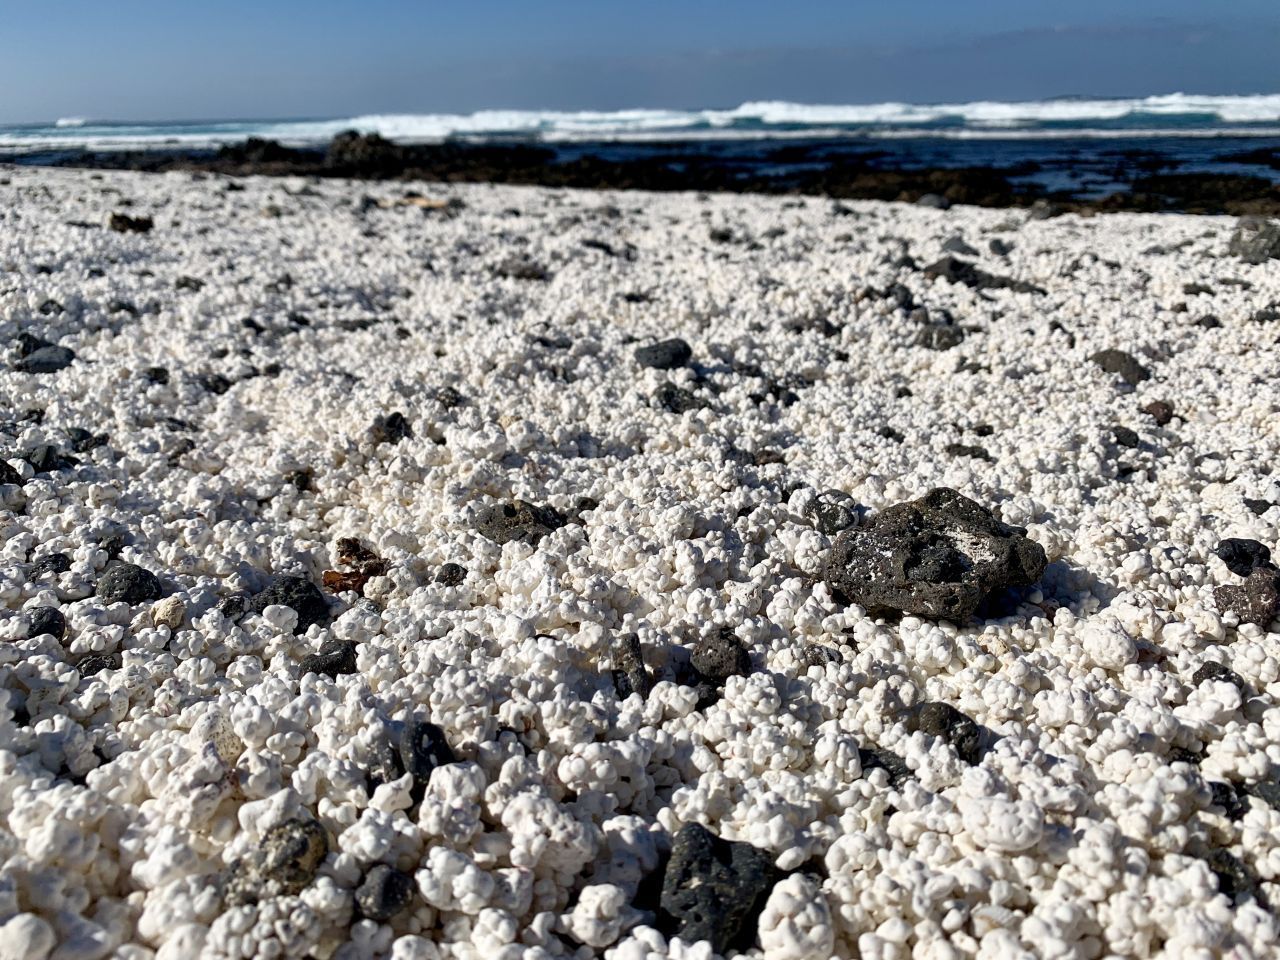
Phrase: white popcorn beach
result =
(431, 581)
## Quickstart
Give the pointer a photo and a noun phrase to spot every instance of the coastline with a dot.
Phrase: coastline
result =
(1137, 178)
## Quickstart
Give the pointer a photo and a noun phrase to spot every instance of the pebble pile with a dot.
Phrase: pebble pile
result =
(422, 571)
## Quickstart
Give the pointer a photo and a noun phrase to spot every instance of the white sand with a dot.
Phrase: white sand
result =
(1076, 836)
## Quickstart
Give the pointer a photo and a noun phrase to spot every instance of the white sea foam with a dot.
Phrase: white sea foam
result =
(1171, 114)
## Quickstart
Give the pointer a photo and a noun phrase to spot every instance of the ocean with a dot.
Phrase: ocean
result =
(1081, 146)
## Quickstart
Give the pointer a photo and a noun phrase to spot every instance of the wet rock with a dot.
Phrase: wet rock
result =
(1210, 670)
(714, 889)
(720, 656)
(1241, 555)
(1125, 364)
(383, 893)
(335, 657)
(1257, 600)
(47, 620)
(519, 520)
(938, 336)
(298, 593)
(1255, 240)
(1124, 437)
(128, 583)
(123, 223)
(954, 270)
(390, 429)
(874, 758)
(675, 399)
(945, 721)
(48, 359)
(938, 556)
(664, 355)
(451, 574)
(54, 563)
(423, 748)
(283, 864)
(629, 672)
(833, 511)
(1159, 411)
(8, 474)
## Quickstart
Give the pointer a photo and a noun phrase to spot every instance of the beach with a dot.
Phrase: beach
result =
(424, 559)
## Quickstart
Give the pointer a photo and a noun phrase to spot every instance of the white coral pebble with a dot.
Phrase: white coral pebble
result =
(796, 921)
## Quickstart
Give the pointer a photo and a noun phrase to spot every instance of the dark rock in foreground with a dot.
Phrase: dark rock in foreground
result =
(298, 593)
(714, 889)
(48, 359)
(1242, 555)
(1255, 240)
(383, 893)
(938, 556)
(284, 863)
(128, 583)
(1256, 601)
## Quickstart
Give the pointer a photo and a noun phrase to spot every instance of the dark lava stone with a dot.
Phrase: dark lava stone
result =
(390, 429)
(720, 656)
(94, 665)
(283, 864)
(954, 270)
(383, 893)
(1125, 364)
(1183, 755)
(675, 399)
(382, 762)
(1124, 437)
(938, 556)
(1241, 555)
(936, 336)
(1159, 411)
(817, 655)
(714, 889)
(8, 474)
(128, 583)
(1216, 671)
(451, 574)
(1208, 322)
(46, 458)
(232, 607)
(520, 520)
(664, 355)
(49, 359)
(956, 244)
(944, 720)
(52, 563)
(449, 398)
(968, 450)
(28, 344)
(1233, 877)
(188, 283)
(1268, 791)
(1001, 248)
(47, 620)
(300, 594)
(82, 441)
(890, 434)
(1226, 797)
(423, 748)
(1255, 239)
(1256, 601)
(630, 674)
(1257, 507)
(300, 479)
(833, 511)
(215, 383)
(123, 223)
(873, 758)
(335, 657)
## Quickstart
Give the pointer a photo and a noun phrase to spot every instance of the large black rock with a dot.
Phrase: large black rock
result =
(520, 520)
(714, 889)
(298, 593)
(128, 583)
(938, 556)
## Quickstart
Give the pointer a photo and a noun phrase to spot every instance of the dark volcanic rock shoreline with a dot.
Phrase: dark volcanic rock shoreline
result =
(1120, 180)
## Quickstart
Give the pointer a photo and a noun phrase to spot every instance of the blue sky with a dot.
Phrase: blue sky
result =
(146, 60)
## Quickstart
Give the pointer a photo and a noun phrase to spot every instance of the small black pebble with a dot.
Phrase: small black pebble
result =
(383, 893)
(335, 657)
(128, 583)
(675, 399)
(664, 355)
(1125, 437)
(390, 429)
(1211, 670)
(451, 574)
(47, 620)
(423, 748)
(53, 563)
(1241, 555)
(944, 720)
(720, 656)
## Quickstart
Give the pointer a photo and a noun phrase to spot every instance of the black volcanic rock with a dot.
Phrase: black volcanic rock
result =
(938, 556)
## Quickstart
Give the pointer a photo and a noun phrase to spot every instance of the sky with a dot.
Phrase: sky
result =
(249, 59)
